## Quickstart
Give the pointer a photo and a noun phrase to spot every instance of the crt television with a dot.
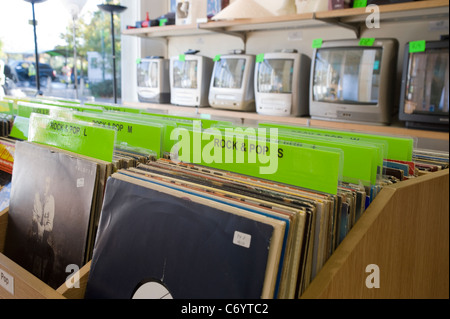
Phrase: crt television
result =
(424, 92)
(281, 83)
(190, 77)
(232, 82)
(353, 80)
(153, 84)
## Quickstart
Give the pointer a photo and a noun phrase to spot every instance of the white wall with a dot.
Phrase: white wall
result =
(134, 47)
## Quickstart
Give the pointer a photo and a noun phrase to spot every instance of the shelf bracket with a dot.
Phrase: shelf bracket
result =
(241, 35)
(335, 21)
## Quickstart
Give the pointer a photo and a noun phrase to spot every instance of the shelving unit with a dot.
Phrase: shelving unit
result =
(347, 18)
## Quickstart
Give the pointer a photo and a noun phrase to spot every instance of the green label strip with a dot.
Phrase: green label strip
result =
(78, 137)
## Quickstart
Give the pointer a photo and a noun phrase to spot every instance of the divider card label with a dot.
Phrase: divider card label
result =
(7, 281)
(399, 148)
(78, 137)
(262, 155)
(129, 133)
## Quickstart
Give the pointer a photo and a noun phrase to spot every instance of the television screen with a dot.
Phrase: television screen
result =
(275, 76)
(148, 74)
(229, 73)
(185, 74)
(427, 83)
(347, 75)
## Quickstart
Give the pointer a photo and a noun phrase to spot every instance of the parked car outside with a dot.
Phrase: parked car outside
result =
(25, 71)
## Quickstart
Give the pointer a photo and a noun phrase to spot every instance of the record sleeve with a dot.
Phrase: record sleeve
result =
(192, 247)
(51, 201)
(292, 216)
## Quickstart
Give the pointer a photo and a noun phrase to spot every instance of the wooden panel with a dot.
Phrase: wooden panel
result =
(26, 286)
(406, 233)
(3, 225)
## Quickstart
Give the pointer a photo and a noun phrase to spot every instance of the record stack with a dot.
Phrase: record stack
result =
(198, 232)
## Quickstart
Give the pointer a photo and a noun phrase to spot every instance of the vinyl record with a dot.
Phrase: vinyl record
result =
(193, 249)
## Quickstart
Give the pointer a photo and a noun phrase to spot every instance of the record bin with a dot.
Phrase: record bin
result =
(404, 232)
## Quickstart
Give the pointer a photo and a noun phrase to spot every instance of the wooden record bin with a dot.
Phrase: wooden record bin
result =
(404, 232)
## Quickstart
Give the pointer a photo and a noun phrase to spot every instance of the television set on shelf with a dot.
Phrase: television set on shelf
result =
(153, 83)
(190, 77)
(424, 91)
(232, 82)
(354, 81)
(281, 83)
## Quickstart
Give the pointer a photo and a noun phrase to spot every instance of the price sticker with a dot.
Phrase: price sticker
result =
(259, 57)
(417, 46)
(317, 43)
(367, 42)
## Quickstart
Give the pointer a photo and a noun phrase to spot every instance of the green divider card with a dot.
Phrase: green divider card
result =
(25, 109)
(417, 46)
(206, 123)
(182, 57)
(358, 167)
(6, 107)
(216, 58)
(308, 166)
(129, 132)
(317, 43)
(113, 107)
(399, 148)
(78, 137)
(167, 126)
(76, 107)
(19, 129)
